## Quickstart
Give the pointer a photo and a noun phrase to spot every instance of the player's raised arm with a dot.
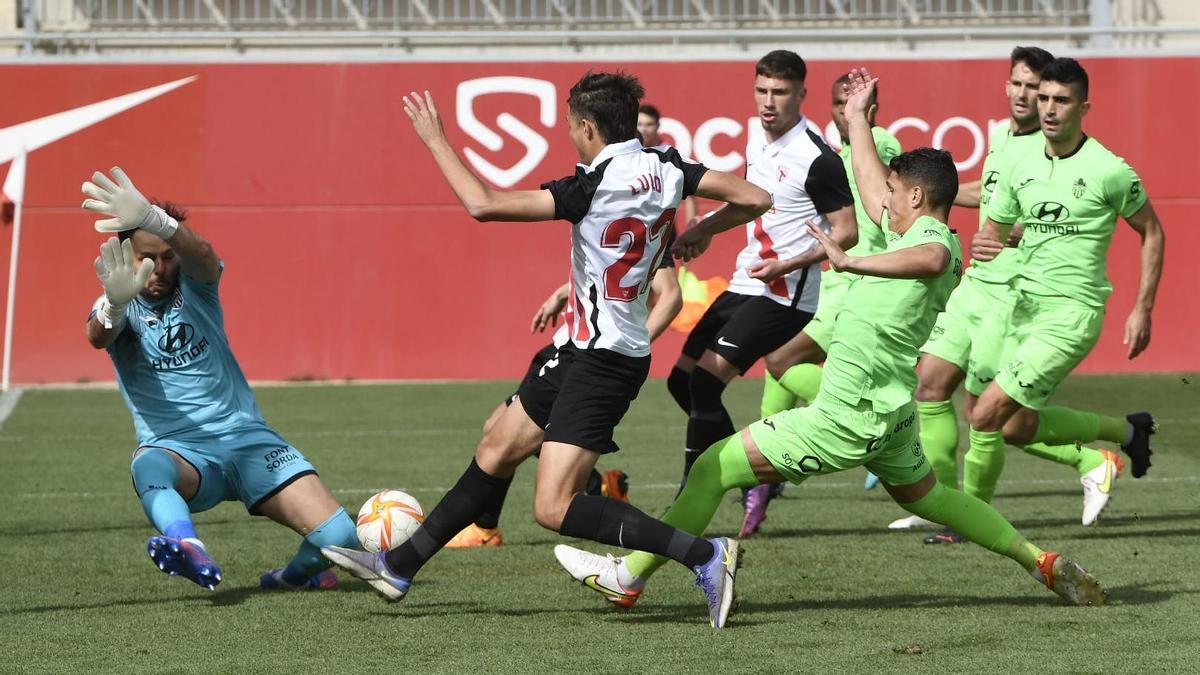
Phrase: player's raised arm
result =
(122, 278)
(118, 198)
(744, 202)
(480, 200)
(870, 174)
(1137, 327)
(923, 261)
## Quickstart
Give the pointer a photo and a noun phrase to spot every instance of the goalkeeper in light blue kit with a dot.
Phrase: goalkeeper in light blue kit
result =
(201, 438)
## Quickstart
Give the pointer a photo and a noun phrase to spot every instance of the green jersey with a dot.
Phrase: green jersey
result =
(1004, 146)
(870, 235)
(1068, 206)
(884, 322)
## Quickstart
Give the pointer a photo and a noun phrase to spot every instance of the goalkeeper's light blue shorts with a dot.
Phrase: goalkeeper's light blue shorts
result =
(249, 466)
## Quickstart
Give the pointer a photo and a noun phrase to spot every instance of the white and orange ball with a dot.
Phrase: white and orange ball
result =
(388, 519)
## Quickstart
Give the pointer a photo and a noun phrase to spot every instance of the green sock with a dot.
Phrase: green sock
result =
(721, 468)
(776, 398)
(1083, 459)
(977, 521)
(1064, 426)
(939, 438)
(803, 380)
(983, 464)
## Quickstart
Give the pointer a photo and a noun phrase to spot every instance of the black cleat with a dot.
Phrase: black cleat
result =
(1138, 449)
(946, 536)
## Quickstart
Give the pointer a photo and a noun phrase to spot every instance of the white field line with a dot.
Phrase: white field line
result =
(650, 486)
(8, 403)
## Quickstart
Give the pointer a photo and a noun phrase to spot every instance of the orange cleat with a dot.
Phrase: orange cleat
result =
(615, 484)
(1068, 580)
(473, 536)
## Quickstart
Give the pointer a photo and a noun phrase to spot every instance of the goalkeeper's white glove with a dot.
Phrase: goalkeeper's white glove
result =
(122, 277)
(128, 208)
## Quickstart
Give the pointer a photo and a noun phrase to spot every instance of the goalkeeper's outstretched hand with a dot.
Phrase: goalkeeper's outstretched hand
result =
(127, 207)
(122, 277)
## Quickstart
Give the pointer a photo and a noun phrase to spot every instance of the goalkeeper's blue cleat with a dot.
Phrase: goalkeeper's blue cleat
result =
(183, 558)
(321, 581)
(371, 568)
(871, 482)
(716, 577)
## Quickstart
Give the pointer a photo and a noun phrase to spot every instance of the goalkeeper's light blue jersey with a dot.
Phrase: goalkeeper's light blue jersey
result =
(176, 371)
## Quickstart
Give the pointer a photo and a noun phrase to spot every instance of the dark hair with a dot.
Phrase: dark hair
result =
(647, 109)
(931, 169)
(1067, 71)
(1035, 58)
(174, 210)
(610, 100)
(845, 79)
(782, 64)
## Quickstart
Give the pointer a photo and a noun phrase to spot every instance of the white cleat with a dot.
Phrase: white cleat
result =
(1098, 485)
(911, 523)
(599, 573)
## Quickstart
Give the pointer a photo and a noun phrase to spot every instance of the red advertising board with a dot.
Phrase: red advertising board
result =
(348, 257)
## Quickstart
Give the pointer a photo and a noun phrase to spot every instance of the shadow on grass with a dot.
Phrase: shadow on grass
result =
(224, 596)
(1135, 595)
(221, 598)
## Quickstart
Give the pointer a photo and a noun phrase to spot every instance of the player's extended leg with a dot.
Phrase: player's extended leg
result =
(165, 482)
(512, 440)
(984, 525)
(559, 506)
(485, 531)
(308, 507)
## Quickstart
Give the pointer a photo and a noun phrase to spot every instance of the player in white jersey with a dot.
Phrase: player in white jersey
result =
(666, 299)
(753, 319)
(621, 201)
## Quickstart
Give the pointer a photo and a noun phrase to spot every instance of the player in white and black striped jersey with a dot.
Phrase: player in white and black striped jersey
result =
(766, 305)
(620, 201)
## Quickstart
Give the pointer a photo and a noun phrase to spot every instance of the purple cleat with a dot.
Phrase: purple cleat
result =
(755, 504)
(716, 578)
(371, 568)
(179, 557)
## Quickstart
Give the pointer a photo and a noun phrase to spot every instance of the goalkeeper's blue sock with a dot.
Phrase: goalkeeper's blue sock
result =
(154, 476)
(337, 530)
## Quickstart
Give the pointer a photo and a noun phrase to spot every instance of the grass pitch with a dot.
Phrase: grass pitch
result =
(825, 586)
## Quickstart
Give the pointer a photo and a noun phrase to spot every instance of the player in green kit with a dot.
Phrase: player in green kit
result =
(864, 413)
(796, 362)
(1068, 199)
(968, 339)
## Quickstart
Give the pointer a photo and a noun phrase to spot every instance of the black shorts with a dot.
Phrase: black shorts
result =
(580, 395)
(535, 367)
(744, 328)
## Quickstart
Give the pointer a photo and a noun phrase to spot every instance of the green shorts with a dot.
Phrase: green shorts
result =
(824, 439)
(973, 332)
(1049, 337)
(834, 286)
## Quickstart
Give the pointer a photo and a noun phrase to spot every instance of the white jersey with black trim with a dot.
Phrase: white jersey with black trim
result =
(806, 179)
(622, 211)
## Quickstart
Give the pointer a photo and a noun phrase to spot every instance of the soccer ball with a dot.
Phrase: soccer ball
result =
(388, 519)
